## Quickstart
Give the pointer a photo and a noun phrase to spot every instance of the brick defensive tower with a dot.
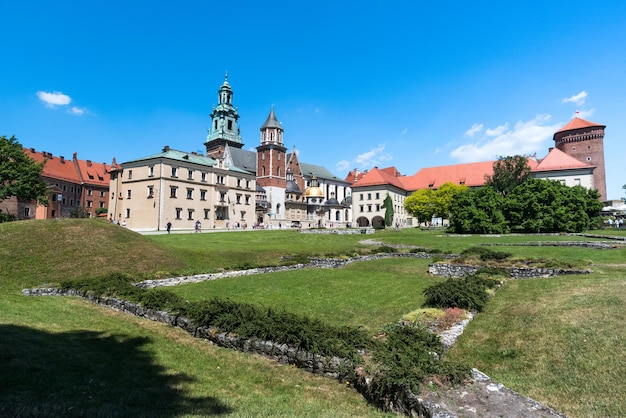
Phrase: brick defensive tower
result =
(584, 141)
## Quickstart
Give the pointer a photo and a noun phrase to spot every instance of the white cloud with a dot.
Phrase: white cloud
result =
(579, 98)
(497, 131)
(373, 157)
(76, 110)
(343, 165)
(54, 99)
(477, 127)
(524, 138)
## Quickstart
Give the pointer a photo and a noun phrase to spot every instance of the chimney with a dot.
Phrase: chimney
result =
(88, 163)
(550, 149)
(32, 150)
(62, 159)
(166, 148)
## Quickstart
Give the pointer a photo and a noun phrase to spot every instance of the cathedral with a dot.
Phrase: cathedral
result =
(289, 192)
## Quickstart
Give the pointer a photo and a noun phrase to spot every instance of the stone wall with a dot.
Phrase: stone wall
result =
(461, 270)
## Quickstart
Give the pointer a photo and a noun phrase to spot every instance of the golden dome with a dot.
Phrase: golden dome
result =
(313, 191)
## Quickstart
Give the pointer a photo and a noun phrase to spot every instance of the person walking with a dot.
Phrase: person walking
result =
(198, 226)
(169, 227)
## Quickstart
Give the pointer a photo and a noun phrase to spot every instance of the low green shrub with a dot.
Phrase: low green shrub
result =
(485, 254)
(405, 358)
(469, 293)
(385, 249)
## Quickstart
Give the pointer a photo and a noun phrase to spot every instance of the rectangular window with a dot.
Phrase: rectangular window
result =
(361, 196)
(361, 208)
(369, 208)
(203, 177)
(101, 204)
(27, 212)
(89, 192)
(220, 179)
(150, 192)
(222, 196)
(220, 214)
(128, 193)
(89, 203)
(247, 184)
(238, 199)
(247, 199)
(102, 193)
(190, 175)
(128, 212)
(179, 211)
(369, 196)
(72, 189)
(150, 171)
(174, 172)
(130, 174)
(576, 182)
(190, 214)
(202, 194)
(189, 193)
(173, 191)
(243, 215)
(377, 207)
(377, 195)
(238, 182)
(206, 213)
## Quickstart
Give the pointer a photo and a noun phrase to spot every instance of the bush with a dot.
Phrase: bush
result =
(485, 254)
(405, 358)
(385, 249)
(466, 293)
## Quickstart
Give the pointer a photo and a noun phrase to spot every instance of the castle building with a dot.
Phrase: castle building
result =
(584, 141)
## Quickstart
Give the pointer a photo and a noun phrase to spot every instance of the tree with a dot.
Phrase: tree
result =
(20, 175)
(421, 204)
(444, 196)
(388, 205)
(478, 211)
(508, 173)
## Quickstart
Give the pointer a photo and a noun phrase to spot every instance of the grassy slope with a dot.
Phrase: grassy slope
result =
(64, 356)
(558, 340)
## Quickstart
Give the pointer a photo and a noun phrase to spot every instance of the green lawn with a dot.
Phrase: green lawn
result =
(557, 340)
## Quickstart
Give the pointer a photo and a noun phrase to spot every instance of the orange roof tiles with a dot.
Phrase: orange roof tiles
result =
(471, 174)
(55, 167)
(377, 177)
(558, 160)
(578, 123)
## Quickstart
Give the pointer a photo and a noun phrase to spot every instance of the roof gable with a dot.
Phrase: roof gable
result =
(558, 160)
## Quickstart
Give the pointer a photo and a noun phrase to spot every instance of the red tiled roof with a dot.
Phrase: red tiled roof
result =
(578, 123)
(354, 176)
(96, 174)
(55, 167)
(558, 160)
(377, 177)
(471, 174)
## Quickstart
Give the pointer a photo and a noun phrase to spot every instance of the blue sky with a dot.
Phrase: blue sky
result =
(355, 84)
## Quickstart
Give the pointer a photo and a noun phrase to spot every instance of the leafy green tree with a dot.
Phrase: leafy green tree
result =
(444, 196)
(388, 205)
(421, 204)
(478, 211)
(550, 206)
(20, 175)
(508, 173)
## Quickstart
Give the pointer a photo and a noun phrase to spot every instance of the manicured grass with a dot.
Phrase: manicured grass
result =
(557, 340)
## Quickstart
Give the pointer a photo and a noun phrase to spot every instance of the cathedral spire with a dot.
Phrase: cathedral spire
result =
(224, 128)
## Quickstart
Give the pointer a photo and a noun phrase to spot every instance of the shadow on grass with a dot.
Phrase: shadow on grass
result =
(89, 374)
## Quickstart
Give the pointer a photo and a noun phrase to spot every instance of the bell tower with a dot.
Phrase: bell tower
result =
(584, 141)
(224, 128)
(271, 164)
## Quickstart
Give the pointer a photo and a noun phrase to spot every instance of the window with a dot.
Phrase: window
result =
(247, 199)
(174, 171)
(128, 212)
(72, 202)
(102, 193)
(64, 187)
(150, 192)
(230, 125)
(220, 179)
(202, 194)
(220, 214)
(128, 193)
(189, 193)
(173, 191)
(247, 184)
(190, 175)
(361, 196)
(369, 196)
(203, 177)
(377, 195)
(101, 204)
(72, 189)
(190, 214)
(89, 203)
(238, 182)
(151, 171)
(369, 208)
(588, 158)
(243, 215)
(361, 208)
(222, 196)
(377, 207)
(178, 212)
(130, 174)
(238, 199)
(27, 212)
(206, 213)
(577, 182)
